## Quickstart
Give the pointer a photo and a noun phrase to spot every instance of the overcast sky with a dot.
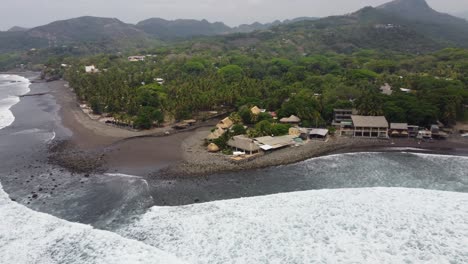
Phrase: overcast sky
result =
(30, 13)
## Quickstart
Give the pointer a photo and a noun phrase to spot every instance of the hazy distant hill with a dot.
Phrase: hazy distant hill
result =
(420, 16)
(105, 33)
(86, 29)
(246, 28)
(17, 29)
(400, 25)
(181, 28)
(368, 28)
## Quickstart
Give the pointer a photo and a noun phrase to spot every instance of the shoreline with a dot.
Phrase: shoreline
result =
(183, 154)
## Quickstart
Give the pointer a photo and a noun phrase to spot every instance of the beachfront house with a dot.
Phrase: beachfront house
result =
(273, 143)
(370, 126)
(299, 132)
(226, 123)
(437, 133)
(318, 134)
(293, 120)
(136, 58)
(399, 130)
(413, 131)
(243, 144)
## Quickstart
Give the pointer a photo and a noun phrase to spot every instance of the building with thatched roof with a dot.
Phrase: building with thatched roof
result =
(217, 133)
(213, 147)
(274, 143)
(370, 126)
(225, 123)
(255, 110)
(399, 130)
(243, 143)
(290, 120)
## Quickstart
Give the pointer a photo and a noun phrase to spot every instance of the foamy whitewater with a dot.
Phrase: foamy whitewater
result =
(27, 237)
(376, 225)
(11, 87)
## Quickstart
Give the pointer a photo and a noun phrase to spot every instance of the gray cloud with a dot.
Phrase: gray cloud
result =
(31, 13)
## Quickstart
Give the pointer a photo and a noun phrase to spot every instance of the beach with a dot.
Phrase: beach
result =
(151, 153)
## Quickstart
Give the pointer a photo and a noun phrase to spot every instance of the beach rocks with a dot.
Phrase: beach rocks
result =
(66, 155)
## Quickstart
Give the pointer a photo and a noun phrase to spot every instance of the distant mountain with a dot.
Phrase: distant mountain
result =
(86, 29)
(106, 34)
(17, 29)
(181, 28)
(246, 28)
(421, 17)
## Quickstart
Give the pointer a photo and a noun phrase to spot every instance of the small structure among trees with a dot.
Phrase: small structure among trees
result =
(290, 120)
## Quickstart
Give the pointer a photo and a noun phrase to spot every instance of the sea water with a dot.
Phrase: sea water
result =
(27, 237)
(427, 222)
(11, 87)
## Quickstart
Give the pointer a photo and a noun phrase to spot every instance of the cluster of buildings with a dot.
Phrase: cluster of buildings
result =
(348, 123)
(243, 145)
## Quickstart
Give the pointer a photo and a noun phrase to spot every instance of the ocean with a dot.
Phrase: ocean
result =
(397, 207)
(11, 87)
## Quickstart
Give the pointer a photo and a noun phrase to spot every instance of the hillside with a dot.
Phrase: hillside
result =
(425, 20)
(17, 29)
(181, 28)
(100, 34)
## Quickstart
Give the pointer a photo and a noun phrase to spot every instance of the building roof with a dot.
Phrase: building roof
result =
(275, 142)
(369, 121)
(225, 123)
(386, 89)
(291, 119)
(244, 143)
(319, 131)
(399, 126)
(216, 134)
(255, 110)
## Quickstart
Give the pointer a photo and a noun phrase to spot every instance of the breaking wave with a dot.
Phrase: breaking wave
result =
(373, 225)
(12, 86)
(32, 237)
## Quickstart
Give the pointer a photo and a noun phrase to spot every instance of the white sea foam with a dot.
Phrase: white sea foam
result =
(123, 175)
(6, 116)
(9, 96)
(27, 237)
(374, 225)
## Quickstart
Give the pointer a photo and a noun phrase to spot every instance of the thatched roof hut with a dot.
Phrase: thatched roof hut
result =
(290, 120)
(255, 110)
(213, 147)
(225, 123)
(216, 134)
(243, 143)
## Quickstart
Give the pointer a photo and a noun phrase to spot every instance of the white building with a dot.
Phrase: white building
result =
(91, 69)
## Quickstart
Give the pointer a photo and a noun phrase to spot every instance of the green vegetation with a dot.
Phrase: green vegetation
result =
(309, 87)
